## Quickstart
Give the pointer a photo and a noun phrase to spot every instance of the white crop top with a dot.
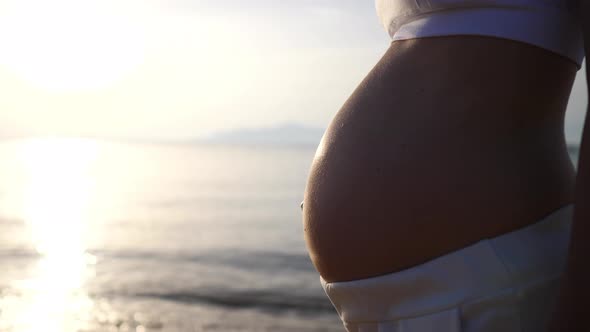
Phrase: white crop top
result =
(549, 24)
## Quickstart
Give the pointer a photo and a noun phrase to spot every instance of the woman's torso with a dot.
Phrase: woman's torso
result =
(449, 140)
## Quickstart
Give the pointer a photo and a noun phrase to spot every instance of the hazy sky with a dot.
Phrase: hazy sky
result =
(185, 68)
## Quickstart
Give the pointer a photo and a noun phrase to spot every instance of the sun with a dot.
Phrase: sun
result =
(65, 45)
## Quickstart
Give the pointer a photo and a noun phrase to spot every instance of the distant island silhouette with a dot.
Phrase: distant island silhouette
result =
(284, 134)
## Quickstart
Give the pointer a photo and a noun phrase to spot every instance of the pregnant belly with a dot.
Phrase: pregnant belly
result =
(419, 162)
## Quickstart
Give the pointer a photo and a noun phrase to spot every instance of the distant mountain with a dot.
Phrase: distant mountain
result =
(286, 134)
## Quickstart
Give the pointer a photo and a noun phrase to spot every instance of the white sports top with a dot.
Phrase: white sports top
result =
(549, 24)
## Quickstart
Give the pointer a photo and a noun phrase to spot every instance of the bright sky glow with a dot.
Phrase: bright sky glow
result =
(181, 69)
(68, 45)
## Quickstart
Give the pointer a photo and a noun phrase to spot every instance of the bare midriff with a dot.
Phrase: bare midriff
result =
(447, 141)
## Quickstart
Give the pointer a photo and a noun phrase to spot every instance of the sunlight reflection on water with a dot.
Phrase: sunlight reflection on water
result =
(57, 190)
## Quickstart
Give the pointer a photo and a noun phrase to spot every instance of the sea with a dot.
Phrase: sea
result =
(110, 236)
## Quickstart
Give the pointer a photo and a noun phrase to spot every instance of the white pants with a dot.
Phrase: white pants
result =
(505, 284)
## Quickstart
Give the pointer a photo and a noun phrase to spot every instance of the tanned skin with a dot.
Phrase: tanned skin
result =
(447, 141)
(573, 306)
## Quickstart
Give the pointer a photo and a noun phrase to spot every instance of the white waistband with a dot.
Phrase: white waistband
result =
(554, 30)
(515, 259)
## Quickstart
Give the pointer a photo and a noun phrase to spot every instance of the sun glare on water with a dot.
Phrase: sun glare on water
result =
(57, 194)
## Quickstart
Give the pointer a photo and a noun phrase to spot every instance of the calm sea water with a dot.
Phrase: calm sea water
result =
(98, 236)
(113, 237)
